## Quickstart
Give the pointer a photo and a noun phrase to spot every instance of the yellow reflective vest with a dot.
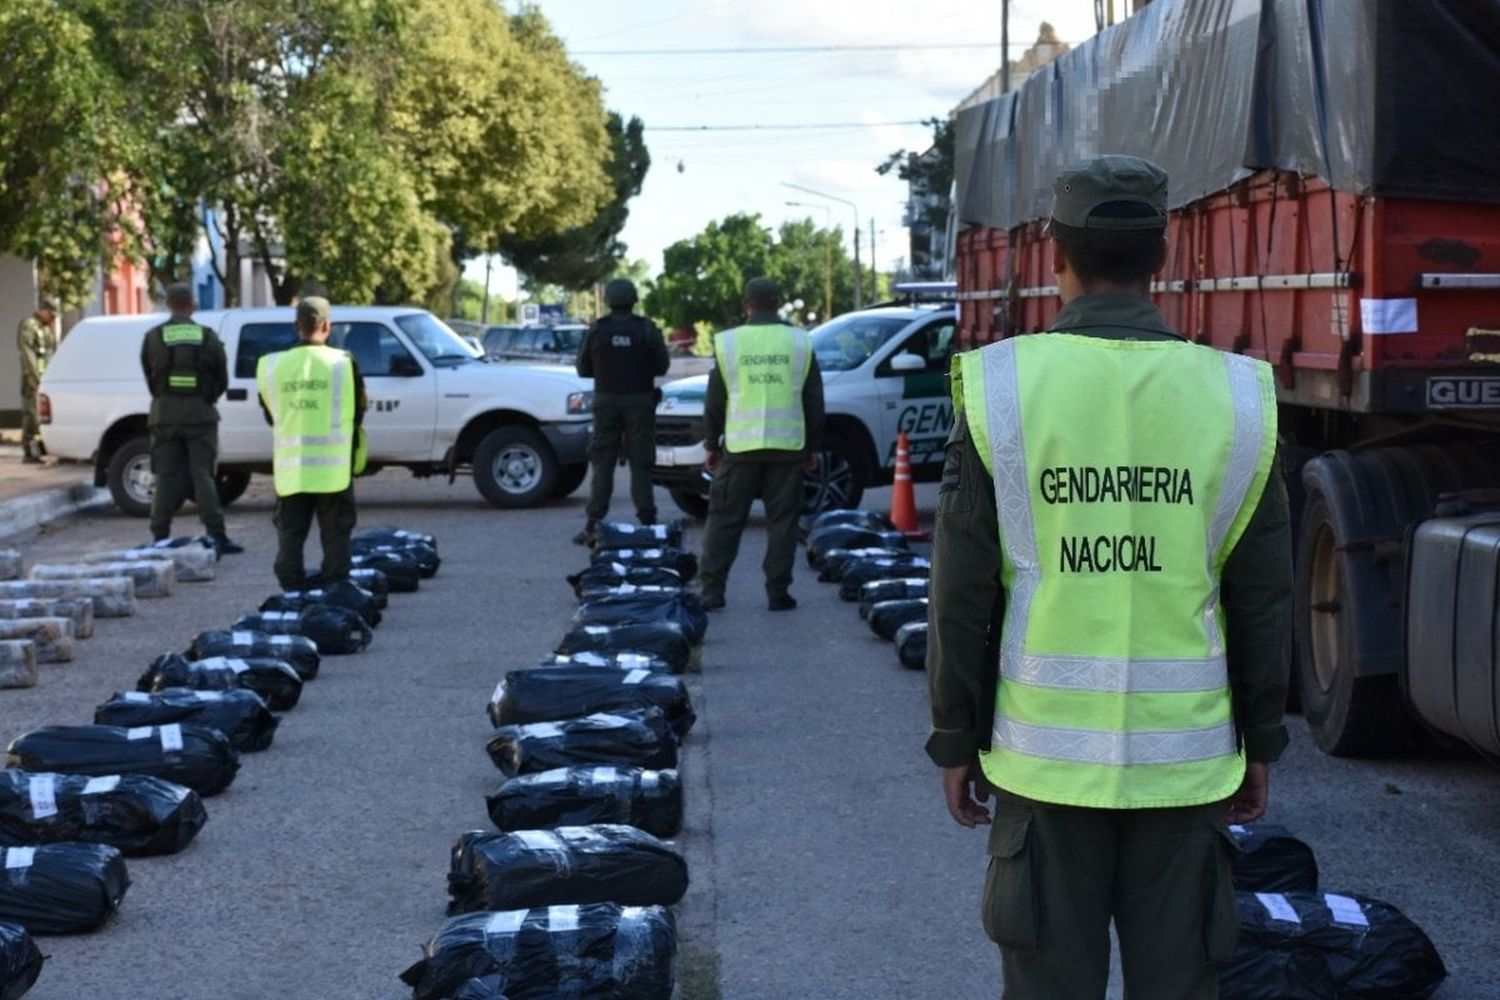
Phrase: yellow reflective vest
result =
(764, 368)
(1125, 473)
(310, 393)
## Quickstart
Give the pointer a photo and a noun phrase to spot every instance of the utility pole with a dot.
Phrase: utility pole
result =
(484, 313)
(1004, 46)
(858, 297)
(874, 277)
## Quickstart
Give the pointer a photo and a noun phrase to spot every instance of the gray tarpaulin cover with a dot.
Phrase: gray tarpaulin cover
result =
(1383, 97)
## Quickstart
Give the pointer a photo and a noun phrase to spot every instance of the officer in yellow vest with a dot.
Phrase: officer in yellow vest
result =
(1110, 607)
(187, 373)
(314, 399)
(763, 419)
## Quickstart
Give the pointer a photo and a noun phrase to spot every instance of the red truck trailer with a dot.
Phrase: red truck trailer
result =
(1335, 201)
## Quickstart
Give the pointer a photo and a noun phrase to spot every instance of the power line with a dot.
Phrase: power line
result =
(770, 49)
(777, 128)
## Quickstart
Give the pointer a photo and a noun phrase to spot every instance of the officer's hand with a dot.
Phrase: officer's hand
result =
(1249, 803)
(711, 461)
(961, 805)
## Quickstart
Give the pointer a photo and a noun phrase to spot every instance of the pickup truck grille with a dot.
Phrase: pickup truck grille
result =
(676, 432)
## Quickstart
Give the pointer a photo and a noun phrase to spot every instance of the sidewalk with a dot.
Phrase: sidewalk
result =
(31, 495)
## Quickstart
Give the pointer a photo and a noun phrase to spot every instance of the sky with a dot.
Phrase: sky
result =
(864, 103)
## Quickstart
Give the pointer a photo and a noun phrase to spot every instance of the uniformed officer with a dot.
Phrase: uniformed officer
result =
(36, 344)
(314, 399)
(187, 373)
(1111, 592)
(623, 353)
(763, 421)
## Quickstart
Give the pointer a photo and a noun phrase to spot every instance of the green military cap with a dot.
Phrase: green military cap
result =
(1081, 189)
(312, 311)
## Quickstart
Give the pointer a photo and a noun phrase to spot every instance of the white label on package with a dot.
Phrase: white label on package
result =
(171, 738)
(649, 780)
(19, 857)
(279, 640)
(43, 796)
(209, 695)
(543, 730)
(100, 785)
(606, 719)
(504, 922)
(1277, 906)
(556, 776)
(139, 732)
(636, 676)
(238, 666)
(596, 629)
(561, 919)
(1236, 829)
(1346, 911)
(603, 775)
(632, 660)
(242, 638)
(138, 697)
(1385, 316)
(499, 693)
(540, 840)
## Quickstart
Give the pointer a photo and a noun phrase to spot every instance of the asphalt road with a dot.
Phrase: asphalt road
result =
(824, 865)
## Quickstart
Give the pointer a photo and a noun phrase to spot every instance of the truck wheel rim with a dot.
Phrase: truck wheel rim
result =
(139, 480)
(829, 487)
(1325, 607)
(518, 469)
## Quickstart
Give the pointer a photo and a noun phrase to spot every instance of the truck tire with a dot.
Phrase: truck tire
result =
(569, 478)
(1293, 459)
(515, 467)
(129, 477)
(1349, 598)
(694, 505)
(840, 479)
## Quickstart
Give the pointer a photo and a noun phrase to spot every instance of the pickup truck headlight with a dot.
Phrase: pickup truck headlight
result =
(580, 403)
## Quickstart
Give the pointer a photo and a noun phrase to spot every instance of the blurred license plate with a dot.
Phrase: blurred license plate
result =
(666, 456)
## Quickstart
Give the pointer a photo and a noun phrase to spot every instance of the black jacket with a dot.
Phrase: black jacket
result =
(623, 354)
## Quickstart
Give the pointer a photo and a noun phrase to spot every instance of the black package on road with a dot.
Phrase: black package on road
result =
(1326, 945)
(491, 987)
(195, 756)
(20, 961)
(847, 536)
(603, 951)
(888, 616)
(373, 580)
(133, 813)
(274, 680)
(640, 739)
(298, 651)
(60, 888)
(610, 575)
(684, 564)
(334, 631)
(341, 595)
(837, 561)
(545, 694)
(240, 714)
(634, 605)
(402, 574)
(1272, 860)
(624, 535)
(663, 640)
(911, 645)
(577, 796)
(421, 547)
(898, 589)
(845, 518)
(618, 660)
(606, 863)
(862, 571)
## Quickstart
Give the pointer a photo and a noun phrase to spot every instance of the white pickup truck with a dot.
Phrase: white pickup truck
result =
(435, 406)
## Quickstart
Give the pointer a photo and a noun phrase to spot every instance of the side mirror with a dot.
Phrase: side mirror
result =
(907, 362)
(405, 366)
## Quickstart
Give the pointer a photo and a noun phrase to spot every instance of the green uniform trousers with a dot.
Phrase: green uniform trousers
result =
(628, 422)
(737, 484)
(293, 519)
(1058, 874)
(31, 423)
(184, 457)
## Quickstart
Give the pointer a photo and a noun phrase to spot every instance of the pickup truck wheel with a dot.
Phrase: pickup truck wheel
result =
(131, 481)
(839, 480)
(569, 478)
(515, 467)
(694, 505)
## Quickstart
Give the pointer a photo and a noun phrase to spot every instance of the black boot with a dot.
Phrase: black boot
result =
(586, 536)
(227, 547)
(29, 455)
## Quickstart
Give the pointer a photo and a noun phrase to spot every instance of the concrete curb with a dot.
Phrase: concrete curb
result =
(31, 510)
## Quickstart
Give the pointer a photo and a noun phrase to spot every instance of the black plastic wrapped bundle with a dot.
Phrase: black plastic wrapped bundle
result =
(683, 563)
(837, 561)
(422, 548)
(136, 814)
(576, 796)
(240, 714)
(334, 631)
(911, 645)
(861, 571)
(616, 660)
(639, 739)
(491, 987)
(298, 651)
(888, 616)
(848, 536)
(632, 605)
(868, 519)
(61, 888)
(20, 961)
(544, 694)
(274, 680)
(372, 580)
(195, 756)
(1316, 945)
(402, 573)
(603, 863)
(897, 589)
(663, 640)
(602, 950)
(624, 535)
(342, 595)
(609, 575)
(1272, 860)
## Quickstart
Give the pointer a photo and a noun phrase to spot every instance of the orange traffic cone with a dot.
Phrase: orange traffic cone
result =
(903, 499)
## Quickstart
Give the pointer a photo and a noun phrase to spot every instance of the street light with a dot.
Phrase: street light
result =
(827, 252)
(858, 297)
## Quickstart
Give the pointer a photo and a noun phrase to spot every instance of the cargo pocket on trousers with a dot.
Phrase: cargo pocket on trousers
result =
(1222, 927)
(1010, 889)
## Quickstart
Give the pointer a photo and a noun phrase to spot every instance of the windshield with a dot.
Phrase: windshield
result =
(847, 342)
(569, 339)
(433, 338)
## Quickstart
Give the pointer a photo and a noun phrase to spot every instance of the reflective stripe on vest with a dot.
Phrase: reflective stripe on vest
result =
(310, 393)
(764, 368)
(1125, 472)
(183, 342)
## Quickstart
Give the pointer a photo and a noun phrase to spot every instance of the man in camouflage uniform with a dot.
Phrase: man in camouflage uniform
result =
(36, 343)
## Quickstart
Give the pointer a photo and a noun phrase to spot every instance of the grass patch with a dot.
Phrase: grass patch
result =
(698, 974)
